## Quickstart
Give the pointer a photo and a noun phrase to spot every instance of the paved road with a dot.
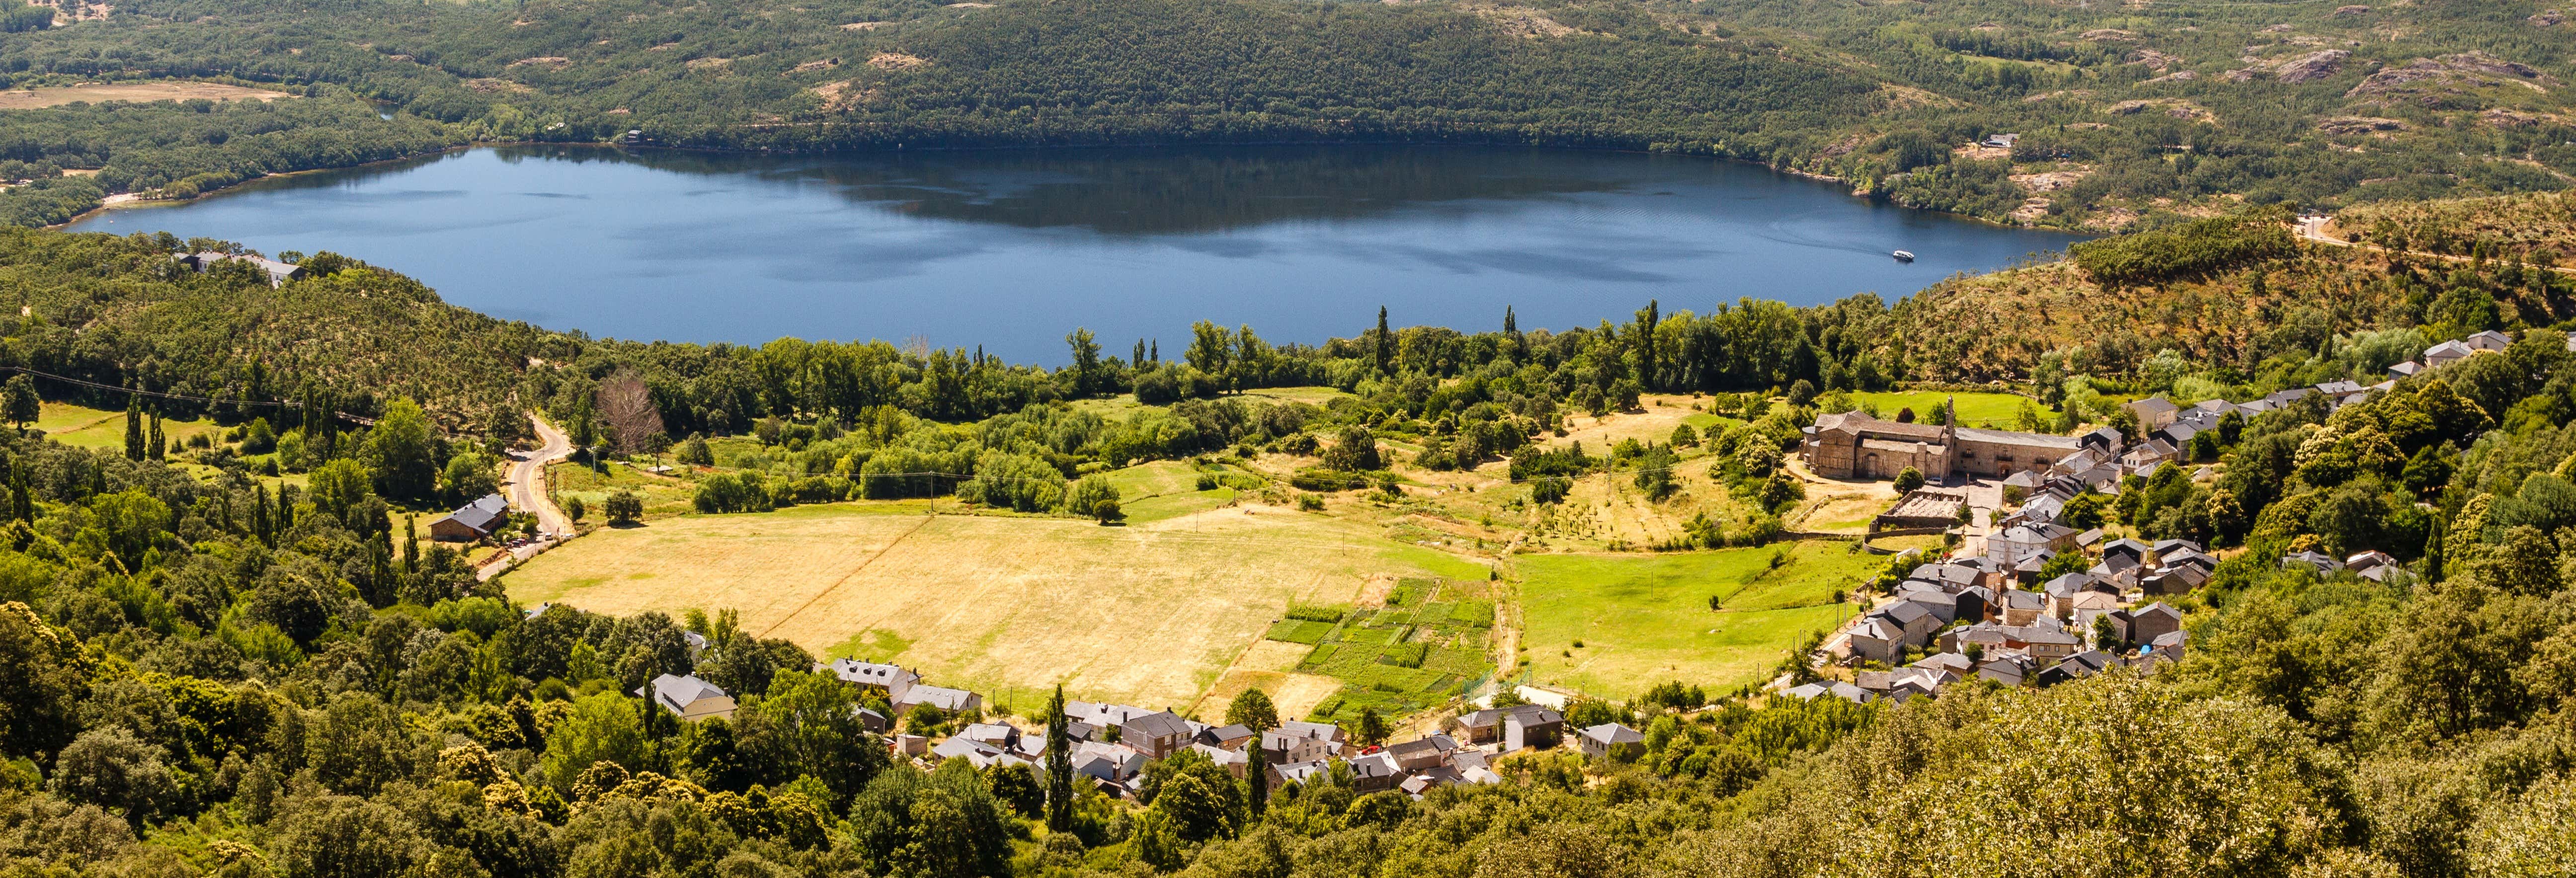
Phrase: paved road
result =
(528, 480)
(526, 488)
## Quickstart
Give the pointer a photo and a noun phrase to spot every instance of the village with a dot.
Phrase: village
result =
(2033, 595)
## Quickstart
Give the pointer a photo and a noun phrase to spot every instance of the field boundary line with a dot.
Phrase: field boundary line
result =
(845, 578)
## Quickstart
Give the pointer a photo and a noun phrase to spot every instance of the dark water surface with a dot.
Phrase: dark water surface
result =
(1013, 249)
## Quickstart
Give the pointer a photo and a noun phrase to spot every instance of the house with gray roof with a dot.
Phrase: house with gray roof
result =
(1611, 741)
(688, 698)
(479, 520)
(1157, 734)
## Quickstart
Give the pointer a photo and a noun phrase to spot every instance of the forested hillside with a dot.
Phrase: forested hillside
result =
(211, 670)
(2125, 113)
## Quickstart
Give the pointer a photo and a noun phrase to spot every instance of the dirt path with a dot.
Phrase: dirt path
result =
(2314, 229)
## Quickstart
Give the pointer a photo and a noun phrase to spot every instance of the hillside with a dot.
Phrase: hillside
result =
(217, 670)
(2124, 112)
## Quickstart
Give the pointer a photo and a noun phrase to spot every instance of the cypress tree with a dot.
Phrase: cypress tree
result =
(1385, 344)
(1256, 777)
(156, 447)
(261, 520)
(22, 501)
(1646, 321)
(1059, 766)
(1138, 361)
(133, 427)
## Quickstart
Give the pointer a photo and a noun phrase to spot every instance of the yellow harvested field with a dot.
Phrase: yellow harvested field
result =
(158, 90)
(1150, 614)
(1270, 666)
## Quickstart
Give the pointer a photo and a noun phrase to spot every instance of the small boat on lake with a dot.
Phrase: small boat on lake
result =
(1904, 255)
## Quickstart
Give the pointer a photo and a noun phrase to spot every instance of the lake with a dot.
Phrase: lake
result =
(1013, 249)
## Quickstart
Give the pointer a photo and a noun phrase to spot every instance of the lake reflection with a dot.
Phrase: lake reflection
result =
(1012, 249)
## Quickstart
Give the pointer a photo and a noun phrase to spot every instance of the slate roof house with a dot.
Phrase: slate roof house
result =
(1157, 735)
(1529, 726)
(890, 680)
(946, 700)
(472, 521)
(1611, 741)
(688, 698)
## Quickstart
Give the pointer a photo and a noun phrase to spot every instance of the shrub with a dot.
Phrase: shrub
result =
(624, 507)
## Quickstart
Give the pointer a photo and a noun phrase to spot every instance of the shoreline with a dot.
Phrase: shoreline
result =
(141, 202)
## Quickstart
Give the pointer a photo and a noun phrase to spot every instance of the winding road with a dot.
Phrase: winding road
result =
(526, 488)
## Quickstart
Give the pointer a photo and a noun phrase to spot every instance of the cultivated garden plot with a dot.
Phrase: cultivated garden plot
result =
(1418, 644)
(1145, 614)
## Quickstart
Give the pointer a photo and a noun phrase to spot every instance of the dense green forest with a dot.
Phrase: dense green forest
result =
(2126, 113)
(208, 675)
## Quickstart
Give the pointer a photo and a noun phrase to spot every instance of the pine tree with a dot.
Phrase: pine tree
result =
(1059, 766)
(133, 427)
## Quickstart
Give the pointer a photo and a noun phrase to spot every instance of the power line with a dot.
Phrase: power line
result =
(177, 396)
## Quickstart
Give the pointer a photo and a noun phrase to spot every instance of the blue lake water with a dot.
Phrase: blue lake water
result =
(1013, 249)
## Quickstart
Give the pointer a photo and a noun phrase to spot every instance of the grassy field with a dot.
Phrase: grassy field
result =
(1997, 410)
(1644, 619)
(1152, 613)
(663, 495)
(102, 428)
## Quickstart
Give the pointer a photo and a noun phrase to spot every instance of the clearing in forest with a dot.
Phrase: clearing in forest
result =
(1146, 614)
(156, 90)
(1644, 619)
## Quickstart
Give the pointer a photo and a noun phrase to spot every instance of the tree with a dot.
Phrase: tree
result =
(134, 426)
(626, 405)
(623, 507)
(808, 724)
(1087, 375)
(1780, 491)
(695, 452)
(1372, 728)
(1384, 349)
(1252, 709)
(112, 768)
(400, 450)
(1096, 496)
(23, 404)
(1059, 765)
(574, 509)
(1908, 479)
(1211, 350)
(156, 446)
(470, 475)
(1354, 450)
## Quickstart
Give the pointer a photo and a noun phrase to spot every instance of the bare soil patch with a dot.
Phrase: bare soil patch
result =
(157, 90)
(896, 61)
